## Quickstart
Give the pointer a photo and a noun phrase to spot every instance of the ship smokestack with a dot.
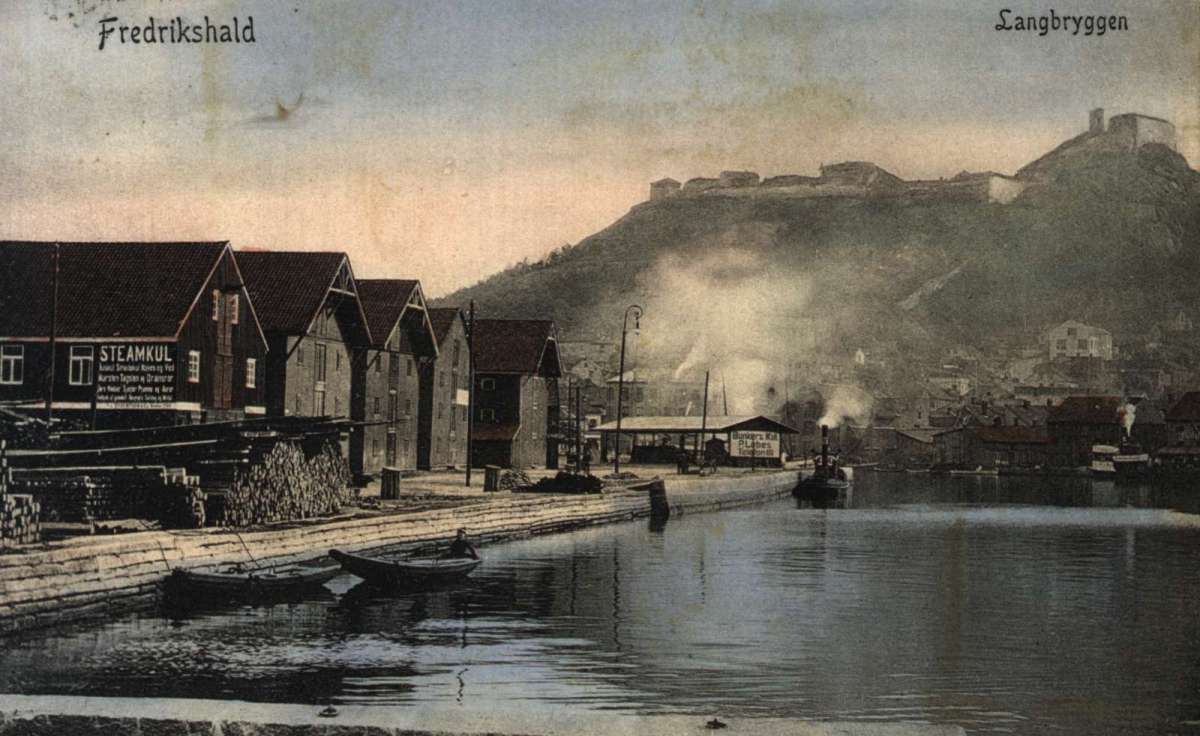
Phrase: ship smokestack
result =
(824, 445)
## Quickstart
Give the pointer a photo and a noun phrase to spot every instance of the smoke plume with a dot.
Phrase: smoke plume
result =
(728, 313)
(846, 402)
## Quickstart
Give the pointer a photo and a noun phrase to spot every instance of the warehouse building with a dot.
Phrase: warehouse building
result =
(444, 394)
(517, 367)
(129, 334)
(386, 385)
(313, 321)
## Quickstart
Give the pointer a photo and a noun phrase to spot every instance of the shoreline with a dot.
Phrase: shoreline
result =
(54, 715)
(88, 577)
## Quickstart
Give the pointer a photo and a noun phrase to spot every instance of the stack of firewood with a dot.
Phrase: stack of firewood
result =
(284, 485)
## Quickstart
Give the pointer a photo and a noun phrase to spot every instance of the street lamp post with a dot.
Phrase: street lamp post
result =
(637, 316)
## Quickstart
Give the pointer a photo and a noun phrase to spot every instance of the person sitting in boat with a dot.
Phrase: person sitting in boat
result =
(461, 547)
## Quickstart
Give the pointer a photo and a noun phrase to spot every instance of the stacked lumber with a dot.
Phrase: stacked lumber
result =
(19, 520)
(286, 485)
(170, 497)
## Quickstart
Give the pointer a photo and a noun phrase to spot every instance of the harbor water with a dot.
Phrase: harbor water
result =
(999, 604)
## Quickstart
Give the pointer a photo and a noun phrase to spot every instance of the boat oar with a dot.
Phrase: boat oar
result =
(256, 563)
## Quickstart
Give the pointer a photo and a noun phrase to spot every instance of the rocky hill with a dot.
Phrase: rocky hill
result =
(1108, 235)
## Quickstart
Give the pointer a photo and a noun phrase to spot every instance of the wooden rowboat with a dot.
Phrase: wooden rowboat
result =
(414, 573)
(241, 581)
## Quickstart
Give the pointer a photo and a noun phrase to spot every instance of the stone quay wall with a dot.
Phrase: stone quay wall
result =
(94, 576)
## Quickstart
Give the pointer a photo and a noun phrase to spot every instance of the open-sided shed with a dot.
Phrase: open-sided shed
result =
(751, 439)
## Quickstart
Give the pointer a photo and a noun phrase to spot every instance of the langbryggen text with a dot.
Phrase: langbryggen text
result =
(1043, 24)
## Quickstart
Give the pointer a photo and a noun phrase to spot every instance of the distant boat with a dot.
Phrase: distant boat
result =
(828, 479)
(396, 573)
(979, 470)
(1126, 460)
(240, 581)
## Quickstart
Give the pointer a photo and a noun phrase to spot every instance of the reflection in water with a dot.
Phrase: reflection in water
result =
(998, 604)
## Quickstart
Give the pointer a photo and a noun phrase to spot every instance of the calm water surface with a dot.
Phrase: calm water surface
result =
(1001, 605)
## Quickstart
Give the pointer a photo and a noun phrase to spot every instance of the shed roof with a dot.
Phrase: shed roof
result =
(1187, 409)
(667, 425)
(1011, 435)
(1085, 410)
(528, 346)
(289, 287)
(104, 289)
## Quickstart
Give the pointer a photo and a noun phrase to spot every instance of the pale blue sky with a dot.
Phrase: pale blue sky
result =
(443, 140)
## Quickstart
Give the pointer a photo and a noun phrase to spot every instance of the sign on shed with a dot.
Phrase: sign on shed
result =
(754, 444)
(135, 376)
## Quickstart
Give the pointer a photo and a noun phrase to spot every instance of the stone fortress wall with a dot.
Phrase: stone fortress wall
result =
(862, 179)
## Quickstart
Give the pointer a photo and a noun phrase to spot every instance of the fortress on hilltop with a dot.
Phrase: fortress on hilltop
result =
(1127, 132)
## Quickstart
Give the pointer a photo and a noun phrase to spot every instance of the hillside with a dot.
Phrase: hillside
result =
(1110, 237)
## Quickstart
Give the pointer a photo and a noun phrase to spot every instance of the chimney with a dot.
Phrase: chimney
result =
(1096, 121)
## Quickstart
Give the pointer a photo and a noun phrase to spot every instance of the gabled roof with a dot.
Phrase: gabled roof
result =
(527, 346)
(288, 288)
(391, 302)
(442, 319)
(1086, 410)
(1187, 409)
(383, 301)
(104, 289)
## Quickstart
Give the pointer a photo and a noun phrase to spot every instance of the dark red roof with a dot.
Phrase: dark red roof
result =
(104, 289)
(288, 287)
(1187, 409)
(1086, 410)
(1011, 435)
(494, 432)
(442, 319)
(527, 346)
(383, 301)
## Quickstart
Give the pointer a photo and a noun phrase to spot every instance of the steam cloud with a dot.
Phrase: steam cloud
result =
(846, 402)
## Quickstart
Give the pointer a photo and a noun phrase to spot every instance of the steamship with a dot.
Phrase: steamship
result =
(828, 479)
(1123, 461)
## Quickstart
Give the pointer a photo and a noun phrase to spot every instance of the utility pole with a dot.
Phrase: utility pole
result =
(621, 378)
(53, 338)
(703, 421)
(470, 386)
(578, 429)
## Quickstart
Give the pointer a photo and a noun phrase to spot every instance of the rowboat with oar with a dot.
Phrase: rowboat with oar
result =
(410, 573)
(253, 581)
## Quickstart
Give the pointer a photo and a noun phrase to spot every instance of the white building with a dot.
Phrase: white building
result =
(1074, 339)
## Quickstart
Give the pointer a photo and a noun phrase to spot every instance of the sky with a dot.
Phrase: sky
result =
(443, 140)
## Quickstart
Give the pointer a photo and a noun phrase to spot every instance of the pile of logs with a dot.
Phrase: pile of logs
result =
(511, 480)
(285, 485)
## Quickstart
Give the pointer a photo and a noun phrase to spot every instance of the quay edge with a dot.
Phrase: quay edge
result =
(51, 715)
(89, 577)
